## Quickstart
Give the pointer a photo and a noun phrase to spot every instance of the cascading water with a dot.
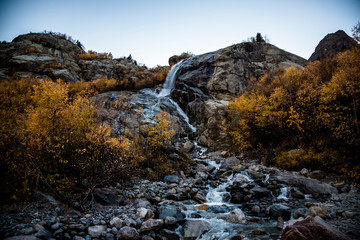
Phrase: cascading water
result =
(166, 90)
(170, 80)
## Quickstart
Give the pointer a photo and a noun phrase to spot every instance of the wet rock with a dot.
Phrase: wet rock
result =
(144, 214)
(170, 221)
(217, 209)
(257, 176)
(306, 185)
(236, 216)
(151, 225)
(238, 177)
(280, 223)
(279, 210)
(203, 207)
(304, 171)
(171, 179)
(96, 231)
(116, 222)
(195, 228)
(170, 211)
(128, 233)
(319, 210)
(130, 222)
(200, 197)
(312, 228)
(260, 192)
(230, 163)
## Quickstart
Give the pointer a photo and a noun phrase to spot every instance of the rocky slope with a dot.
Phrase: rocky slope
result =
(205, 83)
(52, 56)
(332, 44)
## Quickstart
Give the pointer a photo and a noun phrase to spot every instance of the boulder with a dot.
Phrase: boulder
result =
(141, 202)
(318, 210)
(96, 231)
(306, 185)
(144, 214)
(170, 211)
(194, 229)
(200, 197)
(151, 225)
(236, 216)
(279, 210)
(127, 233)
(260, 192)
(312, 228)
(230, 163)
(171, 179)
(116, 222)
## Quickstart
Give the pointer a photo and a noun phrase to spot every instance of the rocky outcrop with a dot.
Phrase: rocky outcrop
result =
(44, 55)
(332, 44)
(312, 228)
(206, 82)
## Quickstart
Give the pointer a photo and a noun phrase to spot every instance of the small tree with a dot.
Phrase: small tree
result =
(259, 38)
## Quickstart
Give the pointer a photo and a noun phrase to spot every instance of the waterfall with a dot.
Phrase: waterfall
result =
(166, 90)
(170, 80)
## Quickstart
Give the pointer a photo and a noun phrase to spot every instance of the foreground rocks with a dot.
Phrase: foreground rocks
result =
(179, 207)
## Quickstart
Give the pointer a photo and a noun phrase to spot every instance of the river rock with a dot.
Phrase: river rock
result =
(170, 211)
(171, 179)
(128, 233)
(195, 228)
(96, 231)
(230, 163)
(306, 185)
(317, 174)
(22, 237)
(200, 197)
(116, 222)
(144, 214)
(170, 235)
(310, 229)
(141, 202)
(298, 194)
(260, 192)
(236, 216)
(151, 225)
(318, 210)
(188, 146)
(279, 210)
(300, 212)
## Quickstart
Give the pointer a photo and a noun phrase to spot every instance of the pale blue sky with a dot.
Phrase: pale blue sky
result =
(153, 31)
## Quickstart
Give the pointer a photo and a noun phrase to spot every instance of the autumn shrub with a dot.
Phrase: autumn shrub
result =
(92, 55)
(56, 142)
(315, 109)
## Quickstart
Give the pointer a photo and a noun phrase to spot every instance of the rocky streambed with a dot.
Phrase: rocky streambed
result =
(220, 198)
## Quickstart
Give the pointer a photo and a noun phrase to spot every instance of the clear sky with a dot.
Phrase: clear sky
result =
(154, 30)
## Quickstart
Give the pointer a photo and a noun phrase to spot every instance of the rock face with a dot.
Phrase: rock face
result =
(205, 83)
(52, 56)
(312, 228)
(332, 44)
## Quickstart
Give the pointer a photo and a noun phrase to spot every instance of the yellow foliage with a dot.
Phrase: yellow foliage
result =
(160, 135)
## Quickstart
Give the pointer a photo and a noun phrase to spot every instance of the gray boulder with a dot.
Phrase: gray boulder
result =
(194, 229)
(128, 233)
(279, 210)
(151, 225)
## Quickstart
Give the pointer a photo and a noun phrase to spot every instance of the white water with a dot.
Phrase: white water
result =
(166, 90)
(170, 80)
(284, 194)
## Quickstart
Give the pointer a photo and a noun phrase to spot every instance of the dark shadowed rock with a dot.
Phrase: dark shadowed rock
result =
(332, 44)
(171, 179)
(105, 196)
(306, 185)
(170, 211)
(279, 210)
(230, 163)
(312, 228)
(22, 237)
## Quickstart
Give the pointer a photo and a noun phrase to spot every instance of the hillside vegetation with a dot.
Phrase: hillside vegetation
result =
(303, 118)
